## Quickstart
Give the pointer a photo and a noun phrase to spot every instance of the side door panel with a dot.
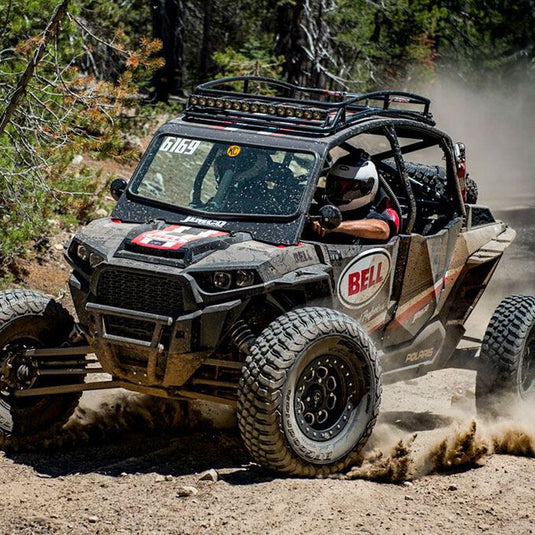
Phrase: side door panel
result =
(422, 283)
(363, 279)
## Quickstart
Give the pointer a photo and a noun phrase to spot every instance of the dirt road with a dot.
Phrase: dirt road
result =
(117, 475)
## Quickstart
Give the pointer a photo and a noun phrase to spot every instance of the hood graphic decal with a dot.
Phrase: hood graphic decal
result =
(174, 237)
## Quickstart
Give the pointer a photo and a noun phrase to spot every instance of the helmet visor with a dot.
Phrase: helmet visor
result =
(342, 191)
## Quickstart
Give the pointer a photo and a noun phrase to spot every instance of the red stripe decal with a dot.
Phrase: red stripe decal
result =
(405, 315)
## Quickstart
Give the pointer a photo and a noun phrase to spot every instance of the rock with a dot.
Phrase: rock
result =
(187, 491)
(77, 160)
(93, 519)
(209, 475)
(452, 487)
(408, 498)
(160, 479)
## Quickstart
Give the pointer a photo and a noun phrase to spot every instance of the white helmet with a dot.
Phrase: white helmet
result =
(352, 182)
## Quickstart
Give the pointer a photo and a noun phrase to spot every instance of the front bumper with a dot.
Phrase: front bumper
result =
(167, 351)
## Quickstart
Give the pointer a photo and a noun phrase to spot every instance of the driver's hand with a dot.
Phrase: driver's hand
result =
(318, 229)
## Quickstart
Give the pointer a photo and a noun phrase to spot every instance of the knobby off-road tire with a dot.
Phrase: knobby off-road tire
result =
(31, 320)
(310, 393)
(432, 177)
(472, 191)
(507, 371)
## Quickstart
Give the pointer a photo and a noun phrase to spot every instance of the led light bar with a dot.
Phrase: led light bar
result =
(252, 107)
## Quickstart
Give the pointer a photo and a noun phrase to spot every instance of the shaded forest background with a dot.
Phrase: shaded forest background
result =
(83, 77)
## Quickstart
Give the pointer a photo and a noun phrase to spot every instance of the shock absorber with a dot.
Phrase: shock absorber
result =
(242, 336)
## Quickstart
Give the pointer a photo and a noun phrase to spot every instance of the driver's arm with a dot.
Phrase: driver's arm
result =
(370, 229)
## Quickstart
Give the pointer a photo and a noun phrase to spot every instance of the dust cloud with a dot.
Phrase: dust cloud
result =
(105, 417)
(462, 445)
(497, 125)
(118, 414)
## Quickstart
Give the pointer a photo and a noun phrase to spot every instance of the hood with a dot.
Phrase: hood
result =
(175, 241)
(181, 246)
(181, 243)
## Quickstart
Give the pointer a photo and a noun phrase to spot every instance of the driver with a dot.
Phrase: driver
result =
(241, 180)
(248, 163)
(353, 186)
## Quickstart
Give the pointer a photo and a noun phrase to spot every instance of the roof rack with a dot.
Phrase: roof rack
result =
(314, 111)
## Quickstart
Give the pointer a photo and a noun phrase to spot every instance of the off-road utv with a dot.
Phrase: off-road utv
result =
(206, 282)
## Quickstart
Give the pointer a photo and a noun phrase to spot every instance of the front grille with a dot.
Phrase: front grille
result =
(145, 293)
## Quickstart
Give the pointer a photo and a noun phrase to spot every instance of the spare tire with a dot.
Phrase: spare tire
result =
(472, 191)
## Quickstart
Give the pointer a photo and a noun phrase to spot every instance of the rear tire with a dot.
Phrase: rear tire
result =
(507, 372)
(30, 320)
(310, 393)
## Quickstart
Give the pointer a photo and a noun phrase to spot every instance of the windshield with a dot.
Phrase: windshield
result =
(225, 177)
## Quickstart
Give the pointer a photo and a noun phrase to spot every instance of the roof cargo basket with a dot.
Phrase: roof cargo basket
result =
(266, 103)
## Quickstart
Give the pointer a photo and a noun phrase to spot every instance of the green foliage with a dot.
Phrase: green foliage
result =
(253, 59)
(85, 92)
(64, 112)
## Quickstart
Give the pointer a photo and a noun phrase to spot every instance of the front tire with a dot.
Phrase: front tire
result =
(310, 393)
(507, 371)
(31, 320)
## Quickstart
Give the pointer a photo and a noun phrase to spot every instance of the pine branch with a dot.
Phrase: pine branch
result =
(48, 35)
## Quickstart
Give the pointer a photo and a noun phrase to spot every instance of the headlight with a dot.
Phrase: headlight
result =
(95, 259)
(83, 253)
(222, 280)
(244, 278)
(87, 256)
(225, 280)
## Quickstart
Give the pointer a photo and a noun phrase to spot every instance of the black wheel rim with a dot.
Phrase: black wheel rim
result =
(527, 371)
(325, 397)
(11, 376)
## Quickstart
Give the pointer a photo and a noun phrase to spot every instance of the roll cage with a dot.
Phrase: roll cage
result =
(335, 117)
(341, 121)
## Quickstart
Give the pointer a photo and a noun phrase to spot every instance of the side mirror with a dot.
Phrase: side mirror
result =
(117, 188)
(330, 216)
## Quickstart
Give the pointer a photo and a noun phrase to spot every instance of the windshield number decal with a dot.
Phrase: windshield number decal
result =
(180, 145)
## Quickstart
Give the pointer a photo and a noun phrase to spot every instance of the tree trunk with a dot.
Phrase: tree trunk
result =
(167, 25)
(207, 49)
(290, 41)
